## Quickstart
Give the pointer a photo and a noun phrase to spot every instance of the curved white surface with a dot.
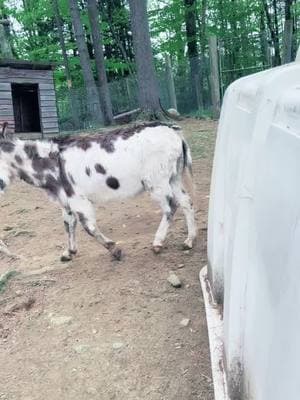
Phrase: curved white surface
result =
(254, 233)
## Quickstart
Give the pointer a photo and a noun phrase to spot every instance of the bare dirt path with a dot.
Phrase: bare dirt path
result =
(97, 329)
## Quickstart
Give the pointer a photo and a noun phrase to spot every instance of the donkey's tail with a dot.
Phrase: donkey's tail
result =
(187, 157)
(187, 172)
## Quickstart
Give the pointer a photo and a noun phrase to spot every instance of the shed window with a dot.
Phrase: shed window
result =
(26, 107)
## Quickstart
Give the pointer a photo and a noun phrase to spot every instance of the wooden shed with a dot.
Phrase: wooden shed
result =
(27, 97)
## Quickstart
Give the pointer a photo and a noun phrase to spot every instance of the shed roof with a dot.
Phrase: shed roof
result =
(22, 64)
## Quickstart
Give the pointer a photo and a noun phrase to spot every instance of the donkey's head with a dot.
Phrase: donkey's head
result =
(7, 148)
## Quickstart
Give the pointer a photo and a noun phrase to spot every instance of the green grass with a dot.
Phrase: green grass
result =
(201, 114)
(202, 144)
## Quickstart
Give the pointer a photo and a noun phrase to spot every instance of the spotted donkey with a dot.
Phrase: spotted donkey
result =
(76, 171)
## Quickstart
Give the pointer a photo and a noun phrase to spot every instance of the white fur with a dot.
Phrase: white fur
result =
(148, 160)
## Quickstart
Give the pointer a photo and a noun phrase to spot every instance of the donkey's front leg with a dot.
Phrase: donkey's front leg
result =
(87, 218)
(70, 222)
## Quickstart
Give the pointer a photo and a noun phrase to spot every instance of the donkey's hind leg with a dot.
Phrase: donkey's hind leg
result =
(185, 202)
(165, 197)
(70, 222)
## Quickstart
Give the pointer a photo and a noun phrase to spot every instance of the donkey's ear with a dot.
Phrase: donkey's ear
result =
(3, 134)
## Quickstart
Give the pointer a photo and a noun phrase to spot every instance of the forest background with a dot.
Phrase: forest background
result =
(113, 56)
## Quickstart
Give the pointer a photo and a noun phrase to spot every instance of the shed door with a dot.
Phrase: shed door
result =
(26, 107)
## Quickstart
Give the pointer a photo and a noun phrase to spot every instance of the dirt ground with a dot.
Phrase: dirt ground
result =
(97, 329)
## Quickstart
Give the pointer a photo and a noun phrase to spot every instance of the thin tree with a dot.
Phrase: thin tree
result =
(273, 28)
(5, 46)
(288, 33)
(93, 13)
(265, 56)
(147, 83)
(93, 100)
(59, 25)
(193, 53)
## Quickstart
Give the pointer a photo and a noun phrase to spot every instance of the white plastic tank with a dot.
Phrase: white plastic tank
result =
(254, 233)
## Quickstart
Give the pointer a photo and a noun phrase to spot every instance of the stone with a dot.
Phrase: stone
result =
(60, 320)
(92, 391)
(174, 280)
(117, 345)
(184, 322)
(81, 348)
(8, 228)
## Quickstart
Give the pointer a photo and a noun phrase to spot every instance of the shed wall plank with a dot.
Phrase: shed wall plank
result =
(46, 86)
(6, 107)
(9, 113)
(5, 101)
(5, 86)
(48, 125)
(45, 109)
(47, 96)
(51, 131)
(6, 95)
(25, 81)
(7, 73)
(48, 114)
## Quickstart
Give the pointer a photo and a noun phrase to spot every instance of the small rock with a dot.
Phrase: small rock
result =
(181, 266)
(94, 331)
(174, 280)
(23, 233)
(81, 348)
(92, 391)
(184, 322)
(117, 345)
(60, 320)
(8, 228)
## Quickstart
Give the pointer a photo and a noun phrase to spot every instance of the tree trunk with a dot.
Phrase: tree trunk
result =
(59, 25)
(273, 30)
(288, 33)
(99, 58)
(147, 83)
(93, 100)
(193, 54)
(6, 51)
(265, 54)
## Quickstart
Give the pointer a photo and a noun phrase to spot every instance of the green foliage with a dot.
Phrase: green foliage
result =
(246, 44)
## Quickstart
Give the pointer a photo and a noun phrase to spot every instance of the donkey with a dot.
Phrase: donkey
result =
(77, 171)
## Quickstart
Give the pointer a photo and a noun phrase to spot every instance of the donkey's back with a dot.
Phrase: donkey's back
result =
(122, 163)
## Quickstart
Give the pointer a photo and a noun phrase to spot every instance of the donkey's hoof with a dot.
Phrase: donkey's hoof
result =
(66, 257)
(157, 249)
(110, 245)
(188, 244)
(117, 254)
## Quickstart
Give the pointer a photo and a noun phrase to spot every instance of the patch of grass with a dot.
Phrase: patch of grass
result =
(202, 143)
(201, 114)
(4, 279)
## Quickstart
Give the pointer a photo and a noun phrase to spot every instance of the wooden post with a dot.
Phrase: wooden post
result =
(129, 93)
(215, 77)
(170, 82)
